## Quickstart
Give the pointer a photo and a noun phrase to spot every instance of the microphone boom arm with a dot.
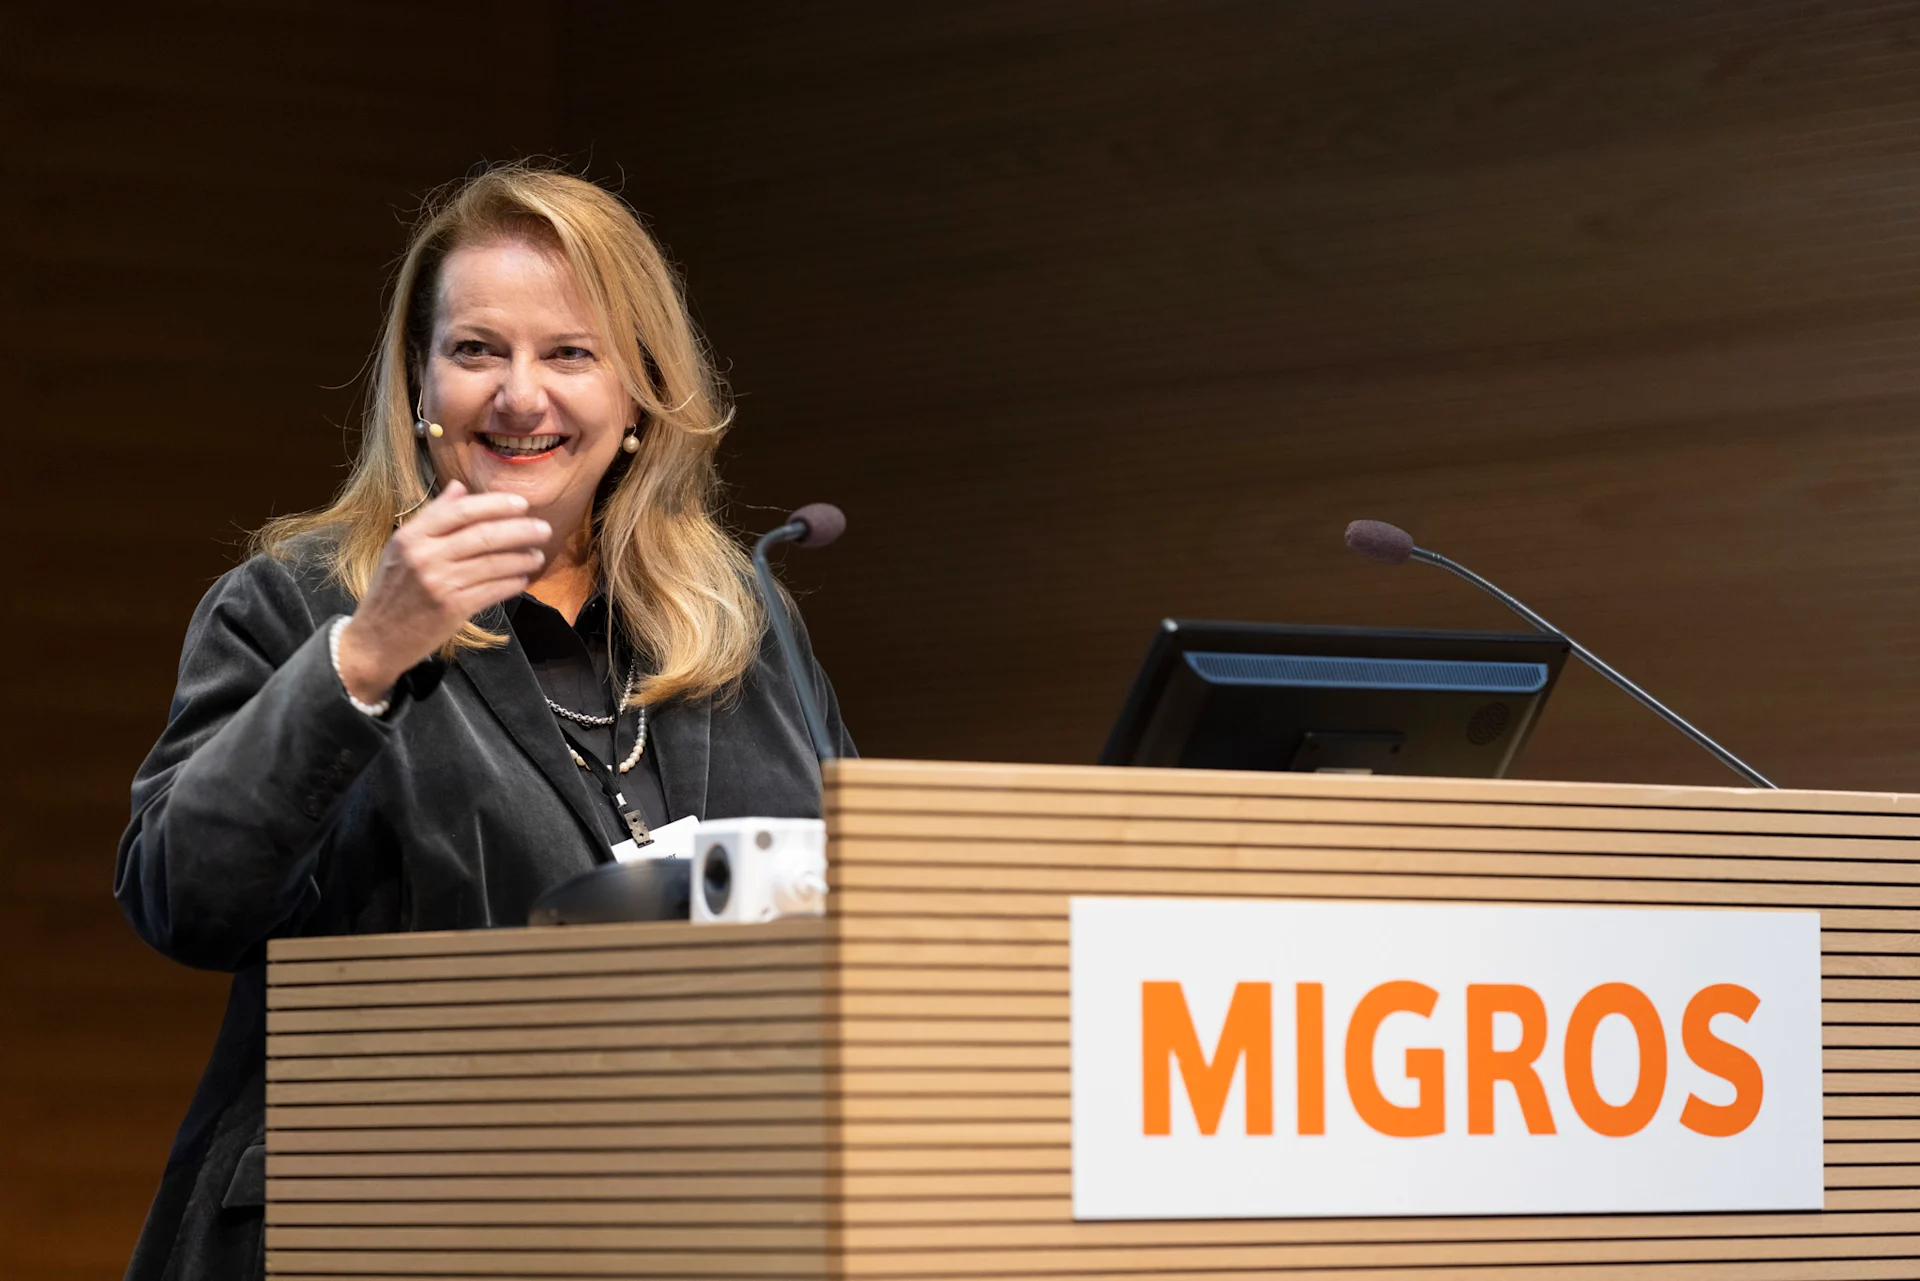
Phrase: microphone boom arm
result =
(783, 631)
(1587, 656)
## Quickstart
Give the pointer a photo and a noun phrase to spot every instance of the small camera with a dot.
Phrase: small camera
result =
(758, 869)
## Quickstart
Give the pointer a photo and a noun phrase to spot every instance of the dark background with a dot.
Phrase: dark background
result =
(1088, 311)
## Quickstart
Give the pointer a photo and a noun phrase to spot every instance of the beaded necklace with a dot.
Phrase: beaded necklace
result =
(602, 722)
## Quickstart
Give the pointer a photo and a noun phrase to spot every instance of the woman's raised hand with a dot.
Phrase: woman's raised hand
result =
(462, 553)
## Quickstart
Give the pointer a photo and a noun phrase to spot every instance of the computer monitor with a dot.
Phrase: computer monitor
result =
(1354, 700)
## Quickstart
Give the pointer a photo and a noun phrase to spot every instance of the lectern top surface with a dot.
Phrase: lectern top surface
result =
(878, 772)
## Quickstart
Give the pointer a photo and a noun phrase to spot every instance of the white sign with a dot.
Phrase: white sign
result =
(1259, 1059)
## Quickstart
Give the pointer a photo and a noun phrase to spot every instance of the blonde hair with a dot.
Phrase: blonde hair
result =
(677, 582)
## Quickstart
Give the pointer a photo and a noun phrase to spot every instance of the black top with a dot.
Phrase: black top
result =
(271, 808)
(576, 669)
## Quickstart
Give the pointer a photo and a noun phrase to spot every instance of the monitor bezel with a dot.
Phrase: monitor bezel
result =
(1175, 637)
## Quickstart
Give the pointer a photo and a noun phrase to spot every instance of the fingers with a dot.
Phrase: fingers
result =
(492, 591)
(496, 565)
(489, 537)
(456, 509)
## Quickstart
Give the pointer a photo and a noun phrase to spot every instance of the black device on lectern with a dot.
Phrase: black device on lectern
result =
(1356, 700)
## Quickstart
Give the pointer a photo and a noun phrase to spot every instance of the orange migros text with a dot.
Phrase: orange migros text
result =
(1168, 1041)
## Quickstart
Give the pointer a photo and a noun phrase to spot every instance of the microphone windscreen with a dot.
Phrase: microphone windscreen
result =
(824, 523)
(1379, 541)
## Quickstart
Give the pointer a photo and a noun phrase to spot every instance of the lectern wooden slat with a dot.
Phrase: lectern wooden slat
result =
(883, 1093)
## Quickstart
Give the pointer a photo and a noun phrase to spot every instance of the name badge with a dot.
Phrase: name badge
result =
(672, 840)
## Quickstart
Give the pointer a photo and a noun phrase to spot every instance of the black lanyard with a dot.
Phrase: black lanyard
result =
(629, 812)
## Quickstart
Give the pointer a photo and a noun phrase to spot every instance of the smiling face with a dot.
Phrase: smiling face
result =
(521, 378)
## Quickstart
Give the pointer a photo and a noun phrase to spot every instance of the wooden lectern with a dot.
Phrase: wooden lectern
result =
(883, 1092)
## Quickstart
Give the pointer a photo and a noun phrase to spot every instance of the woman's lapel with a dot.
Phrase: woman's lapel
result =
(506, 683)
(682, 734)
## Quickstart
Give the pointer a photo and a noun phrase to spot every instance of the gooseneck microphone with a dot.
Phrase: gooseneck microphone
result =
(1390, 545)
(814, 525)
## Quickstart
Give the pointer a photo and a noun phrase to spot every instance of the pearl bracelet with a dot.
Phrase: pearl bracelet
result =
(333, 652)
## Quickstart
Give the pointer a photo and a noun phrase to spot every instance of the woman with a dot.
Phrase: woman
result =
(384, 717)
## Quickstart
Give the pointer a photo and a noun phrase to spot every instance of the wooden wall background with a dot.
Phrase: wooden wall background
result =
(1088, 311)
(207, 197)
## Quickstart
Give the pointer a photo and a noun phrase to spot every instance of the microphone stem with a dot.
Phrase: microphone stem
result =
(783, 631)
(1587, 656)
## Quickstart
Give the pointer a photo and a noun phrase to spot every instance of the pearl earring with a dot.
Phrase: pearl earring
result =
(632, 443)
(421, 427)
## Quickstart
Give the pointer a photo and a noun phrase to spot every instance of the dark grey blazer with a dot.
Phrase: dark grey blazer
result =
(271, 807)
